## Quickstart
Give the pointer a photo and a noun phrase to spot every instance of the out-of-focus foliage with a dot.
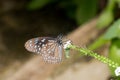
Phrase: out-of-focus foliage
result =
(69, 6)
(107, 16)
(112, 32)
(98, 43)
(38, 4)
(80, 10)
(86, 10)
(112, 35)
(118, 1)
(105, 19)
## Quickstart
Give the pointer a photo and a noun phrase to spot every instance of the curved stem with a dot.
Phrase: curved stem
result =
(88, 52)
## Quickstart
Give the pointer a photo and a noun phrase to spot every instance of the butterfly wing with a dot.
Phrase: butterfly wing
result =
(35, 45)
(49, 48)
(53, 54)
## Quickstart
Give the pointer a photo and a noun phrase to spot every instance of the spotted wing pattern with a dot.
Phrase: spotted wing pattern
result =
(53, 55)
(48, 47)
(34, 45)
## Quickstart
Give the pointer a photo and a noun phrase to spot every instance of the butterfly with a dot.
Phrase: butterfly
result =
(51, 49)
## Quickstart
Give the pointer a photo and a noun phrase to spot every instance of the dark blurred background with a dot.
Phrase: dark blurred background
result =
(18, 24)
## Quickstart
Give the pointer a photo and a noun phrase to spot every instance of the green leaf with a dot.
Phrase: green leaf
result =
(113, 31)
(98, 43)
(118, 2)
(37, 4)
(105, 19)
(114, 52)
(86, 10)
(107, 16)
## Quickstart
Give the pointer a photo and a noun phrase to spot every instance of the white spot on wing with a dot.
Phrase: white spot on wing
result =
(51, 40)
(35, 46)
(43, 45)
(30, 41)
(42, 40)
(30, 45)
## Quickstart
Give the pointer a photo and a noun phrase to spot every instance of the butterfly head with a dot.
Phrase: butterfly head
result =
(59, 39)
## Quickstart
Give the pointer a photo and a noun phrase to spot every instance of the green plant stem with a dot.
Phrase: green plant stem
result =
(110, 5)
(103, 59)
